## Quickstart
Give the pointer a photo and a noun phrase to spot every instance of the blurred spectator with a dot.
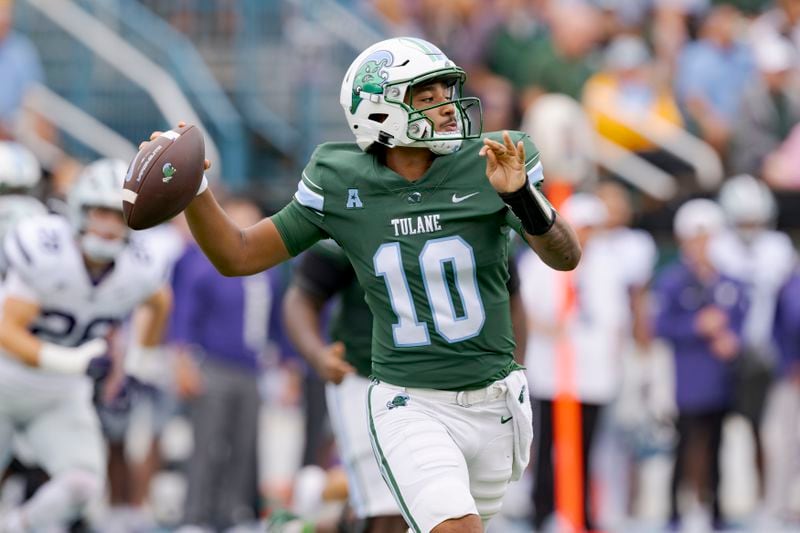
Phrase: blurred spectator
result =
(669, 33)
(591, 330)
(783, 19)
(626, 94)
(700, 314)
(460, 28)
(782, 167)
(223, 322)
(622, 16)
(19, 68)
(398, 16)
(782, 419)
(497, 101)
(770, 106)
(749, 8)
(711, 75)
(538, 62)
(509, 50)
(565, 138)
(619, 448)
(637, 252)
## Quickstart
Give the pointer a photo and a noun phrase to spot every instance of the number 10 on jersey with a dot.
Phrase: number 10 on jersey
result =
(436, 253)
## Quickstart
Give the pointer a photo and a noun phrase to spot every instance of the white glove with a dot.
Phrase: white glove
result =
(71, 360)
(203, 186)
(146, 364)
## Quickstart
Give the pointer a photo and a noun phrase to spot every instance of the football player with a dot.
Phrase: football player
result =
(69, 283)
(345, 365)
(19, 173)
(427, 234)
(763, 258)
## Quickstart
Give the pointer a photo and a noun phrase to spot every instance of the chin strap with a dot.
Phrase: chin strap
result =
(531, 207)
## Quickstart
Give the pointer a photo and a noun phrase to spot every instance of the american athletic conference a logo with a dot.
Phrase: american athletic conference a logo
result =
(371, 76)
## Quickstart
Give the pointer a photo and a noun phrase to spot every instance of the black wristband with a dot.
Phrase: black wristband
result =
(531, 207)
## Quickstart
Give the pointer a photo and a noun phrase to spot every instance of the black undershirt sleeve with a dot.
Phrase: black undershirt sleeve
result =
(321, 276)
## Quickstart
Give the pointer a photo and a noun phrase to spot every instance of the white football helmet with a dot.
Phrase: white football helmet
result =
(748, 201)
(584, 210)
(698, 217)
(99, 185)
(378, 84)
(19, 168)
(14, 208)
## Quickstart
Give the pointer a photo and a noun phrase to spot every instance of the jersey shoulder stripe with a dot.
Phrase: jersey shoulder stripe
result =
(325, 174)
(535, 173)
(308, 198)
(310, 182)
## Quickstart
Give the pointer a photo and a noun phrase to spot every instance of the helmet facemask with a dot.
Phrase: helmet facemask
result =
(421, 128)
(96, 246)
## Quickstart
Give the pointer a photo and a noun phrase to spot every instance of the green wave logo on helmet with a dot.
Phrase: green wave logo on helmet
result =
(371, 76)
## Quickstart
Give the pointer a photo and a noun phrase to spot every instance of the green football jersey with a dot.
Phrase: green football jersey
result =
(431, 256)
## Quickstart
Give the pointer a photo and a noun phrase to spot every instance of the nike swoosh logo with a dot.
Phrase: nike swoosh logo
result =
(503, 420)
(458, 199)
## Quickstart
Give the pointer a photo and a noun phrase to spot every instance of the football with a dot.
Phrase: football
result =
(164, 177)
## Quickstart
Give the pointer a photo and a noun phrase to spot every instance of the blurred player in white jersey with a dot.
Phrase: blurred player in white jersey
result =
(762, 258)
(19, 174)
(69, 283)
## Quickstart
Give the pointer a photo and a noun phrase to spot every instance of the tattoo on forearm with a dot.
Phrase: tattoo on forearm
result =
(558, 247)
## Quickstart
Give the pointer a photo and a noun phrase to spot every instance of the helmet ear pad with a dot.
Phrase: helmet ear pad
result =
(380, 123)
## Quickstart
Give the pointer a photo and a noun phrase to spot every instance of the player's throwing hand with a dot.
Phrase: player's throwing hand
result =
(505, 164)
(156, 134)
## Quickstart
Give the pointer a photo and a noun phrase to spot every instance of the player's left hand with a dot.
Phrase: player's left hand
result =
(505, 164)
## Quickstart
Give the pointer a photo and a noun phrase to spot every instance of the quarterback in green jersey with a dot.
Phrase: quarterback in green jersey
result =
(426, 232)
(321, 274)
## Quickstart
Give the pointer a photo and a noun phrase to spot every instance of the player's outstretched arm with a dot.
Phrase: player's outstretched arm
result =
(548, 234)
(234, 251)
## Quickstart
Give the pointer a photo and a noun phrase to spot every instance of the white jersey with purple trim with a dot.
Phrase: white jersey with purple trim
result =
(13, 209)
(46, 267)
(764, 263)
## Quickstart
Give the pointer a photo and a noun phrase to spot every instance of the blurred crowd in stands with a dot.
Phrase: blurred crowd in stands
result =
(683, 316)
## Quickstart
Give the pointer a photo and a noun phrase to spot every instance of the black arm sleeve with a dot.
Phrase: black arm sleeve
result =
(321, 276)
